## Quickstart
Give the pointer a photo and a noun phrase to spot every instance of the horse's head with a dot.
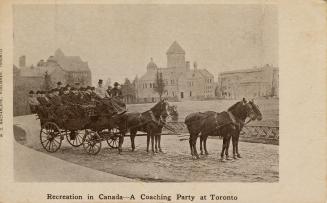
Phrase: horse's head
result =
(242, 110)
(160, 110)
(256, 110)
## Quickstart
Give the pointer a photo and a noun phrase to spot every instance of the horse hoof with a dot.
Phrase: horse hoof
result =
(239, 156)
(234, 157)
(227, 158)
(222, 160)
(207, 153)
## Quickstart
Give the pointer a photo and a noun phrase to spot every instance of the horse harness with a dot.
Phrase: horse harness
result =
(237, 123)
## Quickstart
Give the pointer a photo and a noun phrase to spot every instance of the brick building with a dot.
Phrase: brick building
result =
(181, 81)
(255, 82)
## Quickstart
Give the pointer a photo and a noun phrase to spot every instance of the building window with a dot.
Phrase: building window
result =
(190, 93)
(150, 85)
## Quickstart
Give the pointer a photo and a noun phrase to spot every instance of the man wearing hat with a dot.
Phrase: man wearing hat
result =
(108, 91)
(100, 90)
(116, 91)
(32, 101)
(117, 95)
(59, 85)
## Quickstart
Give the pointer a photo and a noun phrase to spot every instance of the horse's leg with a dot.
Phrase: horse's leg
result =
(194, 146)
(147, 142)
(205, 145)
(237, 138)
(201, 141)
(191, 147)
(159, 142)
(223, 149)
(132, 136)
(156, 142)
(152, 142)
(234, 146)
(227, 147)
(121, 141)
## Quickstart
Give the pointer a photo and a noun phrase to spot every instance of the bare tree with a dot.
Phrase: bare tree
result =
(159, 85)
(47, 81)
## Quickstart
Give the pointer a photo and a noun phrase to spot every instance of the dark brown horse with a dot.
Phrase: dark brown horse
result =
(235, 136)
(224, 124)
(150, 121)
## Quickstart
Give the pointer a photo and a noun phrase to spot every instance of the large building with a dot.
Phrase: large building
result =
(67, 69)
(249, 83)
(181, 81)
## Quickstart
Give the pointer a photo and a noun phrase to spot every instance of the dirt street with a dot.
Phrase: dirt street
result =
(259, 162)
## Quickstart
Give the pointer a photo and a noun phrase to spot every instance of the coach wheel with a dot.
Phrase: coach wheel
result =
(92, 142)
(50, 137)
(75, 138)
(113, 141)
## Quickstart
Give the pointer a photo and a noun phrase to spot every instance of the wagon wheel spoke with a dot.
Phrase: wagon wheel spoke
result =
(90, 148)
(54, 143)
(48, 141)
(50, 146)
(78, 141)
(49, 135)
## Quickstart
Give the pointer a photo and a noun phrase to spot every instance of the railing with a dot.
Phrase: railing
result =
(266, 132)
(252, 133)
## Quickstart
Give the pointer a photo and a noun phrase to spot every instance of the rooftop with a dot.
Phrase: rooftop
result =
(175, 48)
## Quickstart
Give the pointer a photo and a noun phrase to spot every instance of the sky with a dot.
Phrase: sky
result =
(118, 41)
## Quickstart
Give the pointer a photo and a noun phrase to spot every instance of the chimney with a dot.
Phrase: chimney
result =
(22, 61)
(187, 65)
(195, 65)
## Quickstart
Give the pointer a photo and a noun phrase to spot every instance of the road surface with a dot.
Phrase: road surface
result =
(259, 162)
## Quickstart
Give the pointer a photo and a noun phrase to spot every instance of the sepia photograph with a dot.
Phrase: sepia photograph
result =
(146, 93)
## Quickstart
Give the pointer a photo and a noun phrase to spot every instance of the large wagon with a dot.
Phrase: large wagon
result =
(89, 129)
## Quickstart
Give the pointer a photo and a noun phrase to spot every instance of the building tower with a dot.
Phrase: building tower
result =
(176, 56)
(151, 66)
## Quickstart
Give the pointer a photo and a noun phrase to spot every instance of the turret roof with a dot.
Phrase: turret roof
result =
(175, 48)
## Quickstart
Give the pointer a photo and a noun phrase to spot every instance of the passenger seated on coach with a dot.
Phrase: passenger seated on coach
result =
(88, 98)
(65, 99)
(42, 99)
(75, 96)
(33, 102)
